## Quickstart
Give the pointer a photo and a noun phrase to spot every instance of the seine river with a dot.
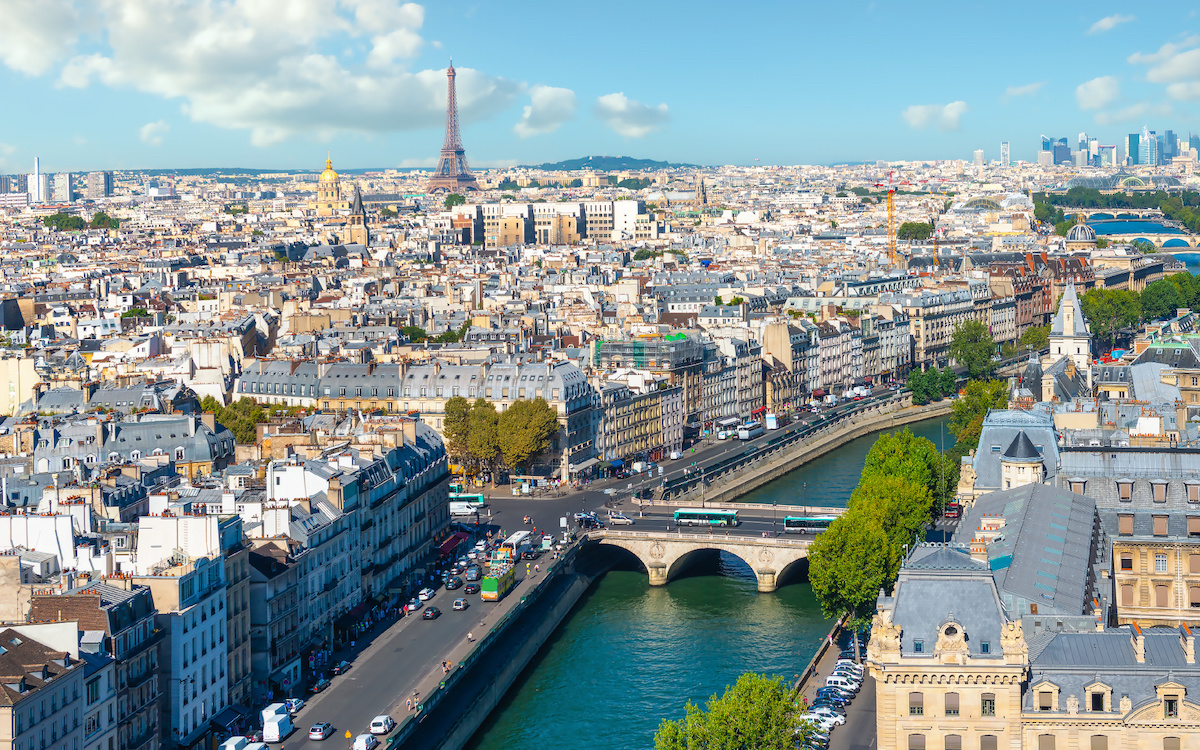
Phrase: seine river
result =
(629, 654)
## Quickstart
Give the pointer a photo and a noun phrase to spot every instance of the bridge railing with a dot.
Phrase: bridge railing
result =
(773, 541)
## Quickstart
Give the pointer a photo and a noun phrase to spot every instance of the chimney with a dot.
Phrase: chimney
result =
(1188, 642)
(210, 420)
(1139, 644)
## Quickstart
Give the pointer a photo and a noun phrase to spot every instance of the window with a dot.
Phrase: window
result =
(1170, 743)
(1045, 742)
(952, 704)
(1193, 523)
(953, 742)
(1125, 525)
(1160, 525)
(1161, 595)
(1125, 491)
(1127, 595)
(1099, 742)
(1097, 701)
(916, 742)
(1126, 561)
(987, 704)
(919, 646)
(1160, 562)
(1193, 493)
(1078, 487)
(985, 647)
(916, 704)
(1194, 596)
(1171, 706)
(1045, 700)
(987, 742)
(1160, 491)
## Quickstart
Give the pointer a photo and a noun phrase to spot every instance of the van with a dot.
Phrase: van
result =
(676, 455)
(278, 728)
(382, 724)
(273, 710)
(365, 742)
(843, 683)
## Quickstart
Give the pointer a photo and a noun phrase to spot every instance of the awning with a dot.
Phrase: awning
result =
(455, 539)
(229, 717)
(617, 463)
(585, 464)
(759, 410)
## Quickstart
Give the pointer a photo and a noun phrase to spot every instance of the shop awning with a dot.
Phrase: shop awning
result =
(585, 464)
(617, 463)
(455, 539)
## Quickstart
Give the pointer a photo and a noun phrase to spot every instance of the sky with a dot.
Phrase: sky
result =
(127, 84)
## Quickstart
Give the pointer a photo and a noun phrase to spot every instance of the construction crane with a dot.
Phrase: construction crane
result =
(891, 209)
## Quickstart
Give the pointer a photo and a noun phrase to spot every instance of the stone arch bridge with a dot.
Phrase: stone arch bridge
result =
(663, 553)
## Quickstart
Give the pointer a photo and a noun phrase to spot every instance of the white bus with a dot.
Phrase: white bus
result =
(750, 430)
(517, 544)
(727, 428)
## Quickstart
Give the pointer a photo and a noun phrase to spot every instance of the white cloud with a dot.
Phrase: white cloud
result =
(154, 132)
(272, 67)
(548, 109)
(630, 118)
(7, 149)
(1097, 93)
(1028, 89)
(945, 116)
(1176, 64)
(1109, 22)
(1168, 50)
(1133, 113)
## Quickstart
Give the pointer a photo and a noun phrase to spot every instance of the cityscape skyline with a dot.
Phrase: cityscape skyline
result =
(179, 85)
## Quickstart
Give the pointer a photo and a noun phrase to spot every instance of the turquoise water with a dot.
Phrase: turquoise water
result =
(1132, 226)
(630, 655)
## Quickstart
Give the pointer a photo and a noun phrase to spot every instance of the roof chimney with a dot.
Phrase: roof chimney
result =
(1188, 641)
(1139, 644)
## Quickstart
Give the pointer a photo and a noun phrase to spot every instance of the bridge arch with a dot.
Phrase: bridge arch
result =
(1176, 242)
(1101, 216)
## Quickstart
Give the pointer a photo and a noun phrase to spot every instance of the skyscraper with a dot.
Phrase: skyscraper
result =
(63, 190)
(452, 172)
(38, 196)
(1148, 152)
(1046, 144)
(99, 185)
(979, 157)
(1194, 142)
(1004, 157)
(1169, 150)
(1134, 148)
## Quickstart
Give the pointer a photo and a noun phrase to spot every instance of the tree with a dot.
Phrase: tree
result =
(387, 213)
(755, 713)
(1110, 310)
(454, 199)
(457, 428)
(1145, 247)
(1188, 286)
(1036, 338)
(977, 399)
(736, 301)
(903, 455)
(1101, 243)
(525, 431)
(136, 312)
(644, 254)
(101, 220)
(972, 346)
(61, 222)
(848, 564)
(914, 230)
(483, 440)
(718, 301)
(947, 382)
(508, 184)
(1160, 299)
(919, 384)
(901, 507)
(415, 334)
(575, 183)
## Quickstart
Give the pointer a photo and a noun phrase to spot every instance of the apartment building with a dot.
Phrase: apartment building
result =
(43, 687)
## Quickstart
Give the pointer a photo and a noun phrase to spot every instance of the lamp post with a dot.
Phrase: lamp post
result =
(774, 518)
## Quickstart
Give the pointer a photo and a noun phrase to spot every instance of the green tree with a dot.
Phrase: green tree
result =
(966, 421)
(525, 431)
(101, 220)
(452, 200)
(1110, 310)
(1144, 247)
(644, 254)
(136, 312)
(972, 346)
(508, 184)
(919, 384)
(903, 455)
(387, 213)
(1008, 350)
(575, 183)
(718, 301)
(1188, 286)
(415, 334)
(901, 507)
(736, 301)
(755, 713)
(1061, 228)
(947, 382)
(457, 428)
(848, 564)
(483, 439)
(1101, 243)
(1160, 299)
(61, 222)
(1036, 338)
(914, 230)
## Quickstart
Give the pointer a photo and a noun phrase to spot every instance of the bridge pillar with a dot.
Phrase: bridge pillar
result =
(658, 574)
(766, 580)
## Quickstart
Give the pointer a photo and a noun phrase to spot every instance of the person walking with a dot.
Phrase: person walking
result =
(470, 638)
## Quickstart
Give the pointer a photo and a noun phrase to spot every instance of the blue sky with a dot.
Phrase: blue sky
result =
(116, 84)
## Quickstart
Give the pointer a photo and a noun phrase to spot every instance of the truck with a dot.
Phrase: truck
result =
(273, 710)
(498, 582)
(775, 421)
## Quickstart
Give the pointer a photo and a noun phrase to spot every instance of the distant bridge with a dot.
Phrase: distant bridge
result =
(663, 553)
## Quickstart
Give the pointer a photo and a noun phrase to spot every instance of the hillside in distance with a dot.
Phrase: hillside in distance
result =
(607, 164)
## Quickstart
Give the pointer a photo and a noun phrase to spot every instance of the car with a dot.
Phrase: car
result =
(619, 519)
(431, 613)
(319, 685)
(834, 716)
(473, 573)
(471, 588)
(382, 724)
(320, 731)
(413, 605)
(827, 707)
(365, 742)
(823, 723)
(835, 693)
(848, 672)
(294, 705)
(531, 554)
(457, 568)
(341, 667)
(849, 676)
(460, 605)
(453, 582)
(832, 699)
(425, 594)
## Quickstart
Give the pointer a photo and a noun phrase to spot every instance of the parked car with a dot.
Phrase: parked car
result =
(460, 605)
(453, 582)
(838, 717)
(425, 594)
(471, 588)
(341, 667)
(320, 730)
(294, 704)
(836, 694)
(365, 742)
(382, 724)
(319, 685)
(431, 613)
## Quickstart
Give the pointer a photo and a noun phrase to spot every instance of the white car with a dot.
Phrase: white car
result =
(832, 716)
(619, 519)
(382, 724)
(822, 723)
(425, 594)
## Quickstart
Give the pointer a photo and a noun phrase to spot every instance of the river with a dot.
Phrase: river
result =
(629, 655)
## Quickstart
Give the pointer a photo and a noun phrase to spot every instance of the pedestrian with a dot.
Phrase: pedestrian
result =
(409, 703)
(470, 638)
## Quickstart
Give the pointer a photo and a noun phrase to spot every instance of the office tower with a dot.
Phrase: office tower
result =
(1062, 154)
(5, 183)
(1134, 148)
(1046, 145)
(36, 188)
(1045, 158)
(979, 157)
(1148, 153)
(1169, 148)
(1083, 141)
(1004, 157)
(452, 173)
(40, 187)
(1194, 143)
(99, 185)
(62, 188)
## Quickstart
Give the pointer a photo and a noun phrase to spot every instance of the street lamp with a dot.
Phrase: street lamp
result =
(774, 518)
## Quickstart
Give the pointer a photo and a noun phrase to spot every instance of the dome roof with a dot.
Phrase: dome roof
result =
(1081, 233)
(1021, 450)
(329, 175)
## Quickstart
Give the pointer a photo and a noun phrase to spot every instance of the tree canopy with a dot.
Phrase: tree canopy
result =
(1160, 299)
(526, 428)
(1110, 310)
(931, 385)
(972, 346)
(914, 459)
(1036, 338)
(972, 405)
(755, 713)
(452, 200)
(914, 230)
(243, 416)
(61, 222)
(101, 220)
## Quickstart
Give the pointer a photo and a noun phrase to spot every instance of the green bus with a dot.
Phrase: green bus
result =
(705, 517)
(807, 524)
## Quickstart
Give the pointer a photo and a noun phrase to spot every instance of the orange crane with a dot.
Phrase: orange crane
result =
(891, 185)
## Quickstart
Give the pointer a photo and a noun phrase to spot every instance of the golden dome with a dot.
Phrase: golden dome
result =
(329, 175)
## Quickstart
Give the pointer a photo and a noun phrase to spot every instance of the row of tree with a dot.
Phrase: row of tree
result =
(931, 385)
(61, 222)
(914, 230)
(480, 439)
(418, 335)
(1110, 310)
(755, 713)
(243, 416)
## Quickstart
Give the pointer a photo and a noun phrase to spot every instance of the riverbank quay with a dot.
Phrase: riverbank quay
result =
(735, 477)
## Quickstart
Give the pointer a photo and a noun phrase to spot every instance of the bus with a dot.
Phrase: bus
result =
(497, 583)
(750, 430)
(516, 544)
(807, 524)
(727, 428)
(705, 517)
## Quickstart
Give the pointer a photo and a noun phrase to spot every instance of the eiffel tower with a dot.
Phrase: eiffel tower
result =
(452, 172)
